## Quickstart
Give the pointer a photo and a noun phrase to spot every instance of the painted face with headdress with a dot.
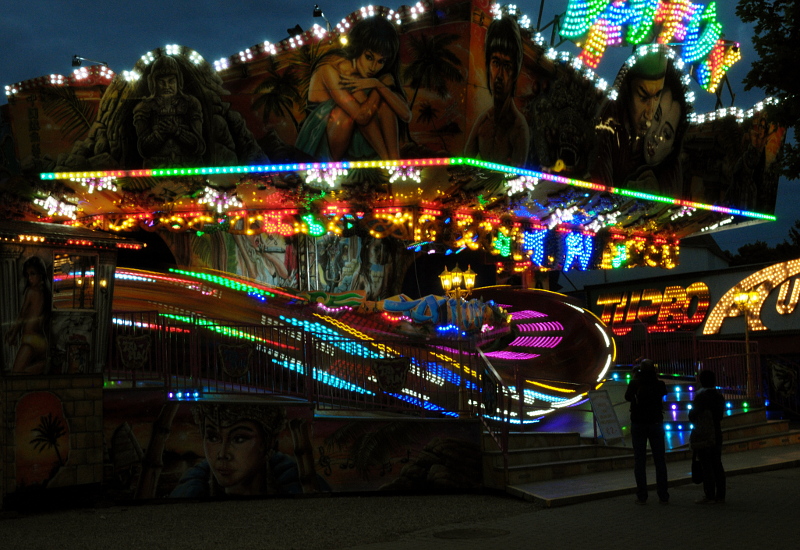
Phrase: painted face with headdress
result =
(237, 441)
(660, 137)
(646, 85)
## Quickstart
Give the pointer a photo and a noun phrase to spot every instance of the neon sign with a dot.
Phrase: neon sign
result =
(667, 312)
(782, 276)
(598, 24)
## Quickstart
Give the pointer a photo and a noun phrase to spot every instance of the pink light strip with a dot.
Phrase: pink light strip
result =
(536, 341)
(540, 327)
(511, 355)
(526, 314)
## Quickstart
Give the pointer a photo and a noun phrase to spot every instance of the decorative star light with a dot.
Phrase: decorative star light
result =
(269, 48)
(57, 207)
(131, 76)
(521, 184)
(103, 183)
(561, 216)
(404, 173)
(602, 221)
(318, 31)
(683, 211)
(326, 175)
(219, 200)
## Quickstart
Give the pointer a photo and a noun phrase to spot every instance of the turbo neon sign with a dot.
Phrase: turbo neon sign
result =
(597, 24)
(658, 312)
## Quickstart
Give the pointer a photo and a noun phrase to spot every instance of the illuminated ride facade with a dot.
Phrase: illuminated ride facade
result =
(299, 184)
(739, 321)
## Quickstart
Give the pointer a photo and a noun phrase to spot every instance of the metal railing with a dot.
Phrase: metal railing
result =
(326, 369)
(675, 353)
(682, 354)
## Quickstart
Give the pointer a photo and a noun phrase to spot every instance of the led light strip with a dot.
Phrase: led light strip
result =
(251, 169)
(346, 165)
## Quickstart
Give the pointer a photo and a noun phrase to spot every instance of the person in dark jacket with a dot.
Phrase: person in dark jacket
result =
(709, 399)
(646, 394)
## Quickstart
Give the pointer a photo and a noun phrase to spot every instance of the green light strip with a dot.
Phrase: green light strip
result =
(224, 281)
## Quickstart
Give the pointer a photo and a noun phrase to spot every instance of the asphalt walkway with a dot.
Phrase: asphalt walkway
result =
(761, 512)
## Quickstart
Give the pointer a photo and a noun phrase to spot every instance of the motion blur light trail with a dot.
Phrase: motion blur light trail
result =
(558, 350)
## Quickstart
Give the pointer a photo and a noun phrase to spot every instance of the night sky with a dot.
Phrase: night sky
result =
(39, 37)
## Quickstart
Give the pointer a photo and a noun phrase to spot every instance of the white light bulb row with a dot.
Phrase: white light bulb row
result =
(318, 32)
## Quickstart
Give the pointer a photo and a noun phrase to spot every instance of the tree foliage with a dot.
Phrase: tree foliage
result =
(760, 252)
(776, 40)
(278, 93)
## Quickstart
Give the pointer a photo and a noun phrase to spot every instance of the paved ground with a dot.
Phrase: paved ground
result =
(761, 512)
(601, 485)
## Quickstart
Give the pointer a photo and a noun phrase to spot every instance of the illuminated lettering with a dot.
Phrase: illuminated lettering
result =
(637, 251)
(699, 291)
(783, 307)
(580, 16)
(642, 20)
(722, 58)
(646, 313)
(676, 309)
(604, 23)
(579, 247)
(633, 308)
(533, 244)
(671, 16)
(672, 313)
(704, 31)
(613, 304)
(763, 283)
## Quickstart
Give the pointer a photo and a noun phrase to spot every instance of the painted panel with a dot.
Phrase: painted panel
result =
(202, 449)
(41, 440)
(51, 314)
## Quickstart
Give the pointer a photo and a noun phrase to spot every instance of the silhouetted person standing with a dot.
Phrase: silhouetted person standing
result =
(709, 399)
(646, 394)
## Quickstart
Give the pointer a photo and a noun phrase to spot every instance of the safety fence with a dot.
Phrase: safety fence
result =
(194, 356)
(737, 363)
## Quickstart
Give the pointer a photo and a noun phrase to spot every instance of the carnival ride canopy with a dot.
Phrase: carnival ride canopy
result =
(449, 129)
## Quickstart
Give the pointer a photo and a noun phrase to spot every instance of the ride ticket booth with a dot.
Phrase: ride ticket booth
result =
(57, 285)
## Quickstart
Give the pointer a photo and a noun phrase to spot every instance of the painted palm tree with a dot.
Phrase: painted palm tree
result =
(71, 115)
(279, 92)
(306, 61)
(427, 115)
(49, 431)
(434, 64)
